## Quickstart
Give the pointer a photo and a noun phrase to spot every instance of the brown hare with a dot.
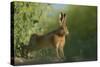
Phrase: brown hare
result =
(54, 39)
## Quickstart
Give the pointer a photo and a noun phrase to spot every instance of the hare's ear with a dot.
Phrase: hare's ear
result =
(60, 18)
(65, 18)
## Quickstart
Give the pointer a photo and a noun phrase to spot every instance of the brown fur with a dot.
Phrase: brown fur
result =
(54, 39)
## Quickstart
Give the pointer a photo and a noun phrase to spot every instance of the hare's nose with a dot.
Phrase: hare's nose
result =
(67, 32)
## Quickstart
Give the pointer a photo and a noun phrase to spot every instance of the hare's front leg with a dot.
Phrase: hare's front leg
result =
(57, 53)
(57, 50)
(62, 52)
(61, 48)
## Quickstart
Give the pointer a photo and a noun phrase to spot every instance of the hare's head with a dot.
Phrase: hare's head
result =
(62, 22)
